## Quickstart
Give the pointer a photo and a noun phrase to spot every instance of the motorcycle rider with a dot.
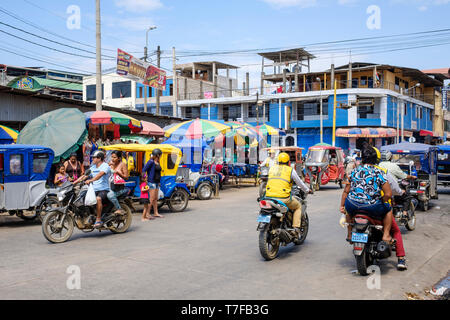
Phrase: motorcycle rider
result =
(279, 186)
(270, 161)
(368, 189)
(395, 230)
(398, 173)
(100, 171)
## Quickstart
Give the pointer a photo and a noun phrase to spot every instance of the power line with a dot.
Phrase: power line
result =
(85, 28)
(52, 41)
(44, 46)
(18, 18)
(48, 62)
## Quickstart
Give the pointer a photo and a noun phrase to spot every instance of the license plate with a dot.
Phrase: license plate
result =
(264, 218)
(360, 237)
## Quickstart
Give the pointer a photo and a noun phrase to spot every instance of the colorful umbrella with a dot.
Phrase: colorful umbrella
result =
(197, 129)
(267, 130)
(112, 117)
(151, 129)
(62, 130)
(243, 130)
(7, 135)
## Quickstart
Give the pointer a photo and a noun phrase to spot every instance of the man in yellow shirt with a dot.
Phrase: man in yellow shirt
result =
(279, 186)
(129, 161)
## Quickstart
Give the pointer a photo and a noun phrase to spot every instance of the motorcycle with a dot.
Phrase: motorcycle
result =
(59, 223)
(410, 221)
(367, 242)
(275, 224)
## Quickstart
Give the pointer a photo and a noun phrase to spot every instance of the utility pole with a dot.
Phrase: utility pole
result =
(398, 116)
(402, 116)
(99, 59)
(175, 83)
(334, 114)
(145, 59)
(158, 93)
(321, 112)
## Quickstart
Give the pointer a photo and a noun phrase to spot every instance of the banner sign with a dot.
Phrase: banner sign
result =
(140, 71)
(445, 94)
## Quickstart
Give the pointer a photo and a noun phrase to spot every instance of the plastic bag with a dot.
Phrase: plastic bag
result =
(90, 199)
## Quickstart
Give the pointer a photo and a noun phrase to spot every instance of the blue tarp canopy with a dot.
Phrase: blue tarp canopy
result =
(407, 147)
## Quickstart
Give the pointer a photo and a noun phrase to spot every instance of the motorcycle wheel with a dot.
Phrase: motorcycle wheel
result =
(424, 205)
(50, 230)
(411, 223)
(122, 225)
(304, 227)
(268, 249)
(363, 262)
(161, 203)
(205, 191)
(51, 202)
(178, 201)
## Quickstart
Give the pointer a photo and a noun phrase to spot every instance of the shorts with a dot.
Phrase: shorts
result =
(376, 211)
(153, 186)
(144, 201)
(103, 195)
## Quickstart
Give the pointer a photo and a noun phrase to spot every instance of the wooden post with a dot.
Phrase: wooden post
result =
(334, 115)
(215, 79)
(98, 105)
(284, 81)
(247, 81)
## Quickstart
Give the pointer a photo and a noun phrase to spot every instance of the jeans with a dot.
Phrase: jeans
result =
(112, 196)
(376, 211)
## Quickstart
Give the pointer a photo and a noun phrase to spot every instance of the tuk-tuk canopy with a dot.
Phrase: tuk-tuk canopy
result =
(165, 148)
(24, 163)
(444, 148)
(407, 147)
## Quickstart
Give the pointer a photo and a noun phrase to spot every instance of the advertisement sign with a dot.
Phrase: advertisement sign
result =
(140, 71)
(445, 94)
(208, 95)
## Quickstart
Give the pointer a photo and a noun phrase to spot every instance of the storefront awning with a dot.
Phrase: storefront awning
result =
(369, 133)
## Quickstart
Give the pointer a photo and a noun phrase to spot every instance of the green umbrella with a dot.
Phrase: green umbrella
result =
(62, 130)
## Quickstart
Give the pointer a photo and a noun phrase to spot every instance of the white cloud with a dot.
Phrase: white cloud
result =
(291, 3)
(139, 5)
(345, 2)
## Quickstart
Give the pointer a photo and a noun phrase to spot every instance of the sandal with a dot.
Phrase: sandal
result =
(158, 216)
(98, 224)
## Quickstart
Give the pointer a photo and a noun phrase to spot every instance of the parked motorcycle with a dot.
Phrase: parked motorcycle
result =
(367, 242)
(59, 223)
(410, 221)
(275, 224)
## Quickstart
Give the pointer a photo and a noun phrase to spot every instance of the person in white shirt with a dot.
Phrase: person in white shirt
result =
(270, 161)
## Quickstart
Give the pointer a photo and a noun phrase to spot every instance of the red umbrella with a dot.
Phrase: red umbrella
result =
(151, 129)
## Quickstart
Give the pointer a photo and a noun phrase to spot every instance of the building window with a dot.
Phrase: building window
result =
(370, 82)
(232, 113)
(192, 112)
(252, 111)
(405, 112)
(91, 92)
(365, 111)
(397, 83)
(121, 90)
(171, 89)
(140, 93)
(311, 110)
(431, 115)
(16, 164)
(355, 82)
(363, 81)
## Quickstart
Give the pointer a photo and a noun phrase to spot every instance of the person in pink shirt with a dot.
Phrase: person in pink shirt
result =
(145, 198)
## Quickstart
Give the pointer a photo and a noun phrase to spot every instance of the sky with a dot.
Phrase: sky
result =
(199, 25)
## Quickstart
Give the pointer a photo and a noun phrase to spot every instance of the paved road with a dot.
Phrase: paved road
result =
(210, 252)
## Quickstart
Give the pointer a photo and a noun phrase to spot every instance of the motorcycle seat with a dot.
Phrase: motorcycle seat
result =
(371, 220)
(277, 201)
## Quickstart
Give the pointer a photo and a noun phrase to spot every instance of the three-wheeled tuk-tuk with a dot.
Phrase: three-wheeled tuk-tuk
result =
(444, 165)
(24, 170)
(172, 192)
(324, 164)
(419, 160)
